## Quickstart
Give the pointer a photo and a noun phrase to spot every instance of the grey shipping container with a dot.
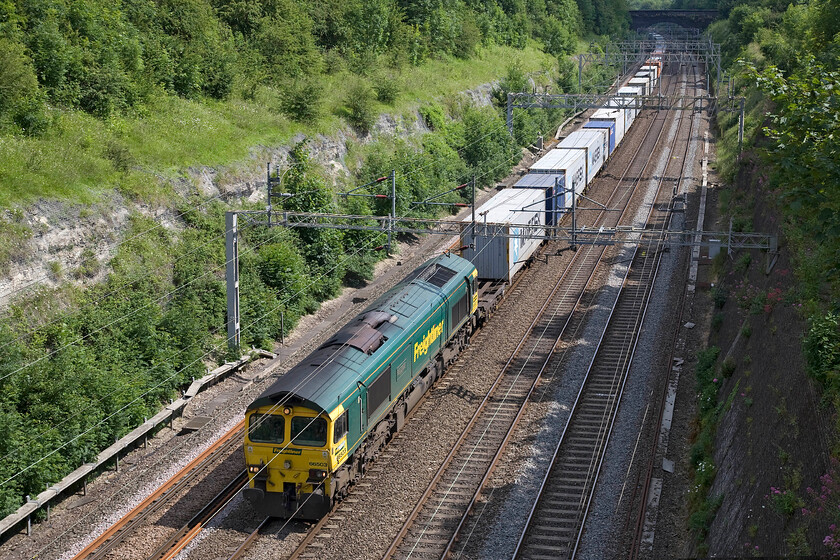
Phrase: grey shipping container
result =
(500, 246)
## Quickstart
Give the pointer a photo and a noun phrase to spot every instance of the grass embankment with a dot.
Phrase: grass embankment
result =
(83, 157)
(85, 372)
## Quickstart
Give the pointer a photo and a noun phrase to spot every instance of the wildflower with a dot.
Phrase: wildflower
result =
(714, 380)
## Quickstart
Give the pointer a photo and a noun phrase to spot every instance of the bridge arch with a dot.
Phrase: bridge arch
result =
(700, 19)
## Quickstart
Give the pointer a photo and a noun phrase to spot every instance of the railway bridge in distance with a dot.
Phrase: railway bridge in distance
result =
(700, 19)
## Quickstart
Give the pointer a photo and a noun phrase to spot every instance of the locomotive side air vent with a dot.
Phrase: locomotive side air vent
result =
(437, 275)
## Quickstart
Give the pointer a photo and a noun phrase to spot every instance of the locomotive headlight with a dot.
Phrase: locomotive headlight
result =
(316, 475)
(253, 469)
(287, 464)
(287, 410)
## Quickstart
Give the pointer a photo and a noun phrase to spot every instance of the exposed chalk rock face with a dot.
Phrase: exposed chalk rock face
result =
(65, 237)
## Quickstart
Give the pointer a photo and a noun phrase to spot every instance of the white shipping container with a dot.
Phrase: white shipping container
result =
(651, 77)
(615, 115)
(570, 165)
(643, 83)
(499, 247)
(652, 68)
(631, 111)
(594, 142)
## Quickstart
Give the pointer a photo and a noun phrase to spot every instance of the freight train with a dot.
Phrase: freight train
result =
(311, 435)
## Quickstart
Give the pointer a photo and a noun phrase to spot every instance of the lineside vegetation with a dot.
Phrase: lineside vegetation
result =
(97, 97)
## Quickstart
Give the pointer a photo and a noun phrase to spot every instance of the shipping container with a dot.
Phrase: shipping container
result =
(499, 246)
(552, 184)
(594, 143)
(655, 63)
(651, 77)
(652, 68)
(570, 165)
(609, 126)
(631, 111)
(612, 115)
(643, 83)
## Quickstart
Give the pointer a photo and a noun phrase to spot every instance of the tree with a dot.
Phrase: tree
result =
(322, 247)
(21, 101)
(805, 156)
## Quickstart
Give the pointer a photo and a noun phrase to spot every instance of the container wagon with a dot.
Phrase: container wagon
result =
(609, 127)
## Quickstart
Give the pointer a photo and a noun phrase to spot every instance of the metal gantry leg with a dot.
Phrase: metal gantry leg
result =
(232, 279)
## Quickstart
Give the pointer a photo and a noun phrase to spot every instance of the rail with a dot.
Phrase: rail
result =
(127, 442)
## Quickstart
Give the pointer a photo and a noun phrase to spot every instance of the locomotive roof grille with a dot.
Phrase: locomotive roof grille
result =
(360, 336)
(436, 275)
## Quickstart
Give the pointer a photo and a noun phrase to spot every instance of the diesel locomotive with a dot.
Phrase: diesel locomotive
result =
(310, 435)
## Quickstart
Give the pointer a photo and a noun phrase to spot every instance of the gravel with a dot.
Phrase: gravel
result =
(365, 523)
(503, 510)
(612, 510)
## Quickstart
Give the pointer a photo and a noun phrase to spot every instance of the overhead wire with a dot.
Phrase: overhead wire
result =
(165, 296)
(161, 383)
(285, 400)
(117, 245)
(509, 160)
(131, 281)
(506, 162)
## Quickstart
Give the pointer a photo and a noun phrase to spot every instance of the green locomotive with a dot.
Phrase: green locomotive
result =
(310, 435)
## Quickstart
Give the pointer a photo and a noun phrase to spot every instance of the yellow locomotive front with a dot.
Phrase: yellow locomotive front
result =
(290, 453)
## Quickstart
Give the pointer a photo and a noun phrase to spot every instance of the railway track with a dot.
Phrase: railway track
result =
(183, 537)
(557, 519)
(644, 476)
(436, 520)
(138, 517)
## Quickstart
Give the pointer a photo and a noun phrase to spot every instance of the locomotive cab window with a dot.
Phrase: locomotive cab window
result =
(340, 427)
(309, 431)
(266, 428)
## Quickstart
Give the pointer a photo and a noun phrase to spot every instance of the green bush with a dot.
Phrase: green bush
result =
(433, 116)
(387, 89)
(701, 520)
(21, 101)
(360, 109)
(302, 99)
(488, 150)
(822, 348)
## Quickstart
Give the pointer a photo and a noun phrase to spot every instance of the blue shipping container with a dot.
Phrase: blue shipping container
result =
(609, 125)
